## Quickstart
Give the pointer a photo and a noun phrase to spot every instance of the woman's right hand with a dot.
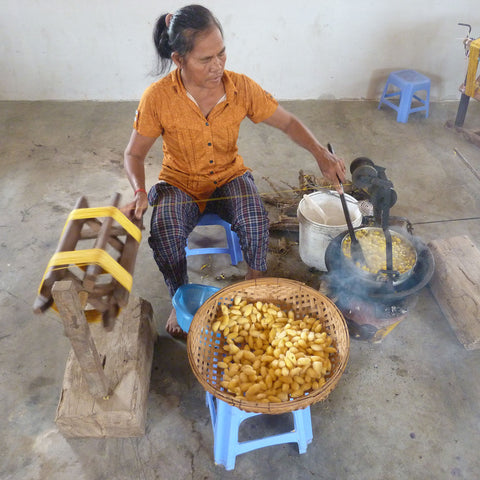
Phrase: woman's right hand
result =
(136, 209)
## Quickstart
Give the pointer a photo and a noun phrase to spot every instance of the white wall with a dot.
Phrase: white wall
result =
(306, 49)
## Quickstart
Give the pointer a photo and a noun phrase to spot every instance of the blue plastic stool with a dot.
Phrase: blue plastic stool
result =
(233, 249)
(187, 301)
(226, 420)
(408, 82)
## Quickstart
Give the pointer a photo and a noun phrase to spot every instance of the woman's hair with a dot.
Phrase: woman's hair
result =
(184, 26)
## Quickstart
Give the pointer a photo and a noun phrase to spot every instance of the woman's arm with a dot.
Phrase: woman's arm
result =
(330, 165)
(134, 163)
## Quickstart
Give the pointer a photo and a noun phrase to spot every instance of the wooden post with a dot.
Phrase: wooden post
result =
(77, 330)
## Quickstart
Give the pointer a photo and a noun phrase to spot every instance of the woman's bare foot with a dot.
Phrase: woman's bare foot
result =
(173, 328)
(252, 274)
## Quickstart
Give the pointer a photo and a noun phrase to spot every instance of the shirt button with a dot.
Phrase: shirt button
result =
(209, 144)
(215, 182)
(206, 124)
(211, 173)
(211, 161)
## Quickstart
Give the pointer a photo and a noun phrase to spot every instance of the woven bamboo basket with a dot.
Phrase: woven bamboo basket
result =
(205, 347)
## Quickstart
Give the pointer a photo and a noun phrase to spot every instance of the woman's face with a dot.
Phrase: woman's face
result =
(203, 66)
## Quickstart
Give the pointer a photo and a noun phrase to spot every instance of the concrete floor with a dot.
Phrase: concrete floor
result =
(406, 408)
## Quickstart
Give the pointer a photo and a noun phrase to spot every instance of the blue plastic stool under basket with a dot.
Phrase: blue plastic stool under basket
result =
(226, 419)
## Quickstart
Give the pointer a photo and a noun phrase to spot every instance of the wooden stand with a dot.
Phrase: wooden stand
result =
(107, 376)
(125, 356)
(456, 286)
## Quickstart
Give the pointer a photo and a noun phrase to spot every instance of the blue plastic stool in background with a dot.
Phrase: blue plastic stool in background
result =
(407, 83)
(226, 420)
(233, 248)
(187, 301)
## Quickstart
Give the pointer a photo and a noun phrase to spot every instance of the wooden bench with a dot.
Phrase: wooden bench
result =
(456, 286)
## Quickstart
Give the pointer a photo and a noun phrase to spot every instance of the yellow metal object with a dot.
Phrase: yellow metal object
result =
(470, 86)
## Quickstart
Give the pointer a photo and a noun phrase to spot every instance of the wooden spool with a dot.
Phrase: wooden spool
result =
(101, 293)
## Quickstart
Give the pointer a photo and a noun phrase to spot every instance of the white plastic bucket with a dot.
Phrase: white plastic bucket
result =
(316, 231)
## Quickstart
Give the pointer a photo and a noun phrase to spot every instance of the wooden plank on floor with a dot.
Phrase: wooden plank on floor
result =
(456, 286)
(126, 353)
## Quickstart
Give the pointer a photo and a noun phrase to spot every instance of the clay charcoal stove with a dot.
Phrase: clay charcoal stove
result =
(373, 303)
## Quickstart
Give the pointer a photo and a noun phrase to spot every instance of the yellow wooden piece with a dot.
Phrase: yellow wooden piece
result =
(472, 67)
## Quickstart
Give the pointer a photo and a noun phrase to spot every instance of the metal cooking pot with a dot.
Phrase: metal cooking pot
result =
(369, 251)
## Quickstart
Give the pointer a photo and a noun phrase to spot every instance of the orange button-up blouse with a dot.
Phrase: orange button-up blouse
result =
(200, 154)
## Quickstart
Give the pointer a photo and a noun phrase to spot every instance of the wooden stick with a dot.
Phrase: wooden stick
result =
(67, 243)
(467, 163)
(127, 261)
(77, 330)
(101, 242)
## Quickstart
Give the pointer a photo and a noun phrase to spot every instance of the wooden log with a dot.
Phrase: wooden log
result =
(127, 352)
(78, 332)
(456, 286)
(285, 224)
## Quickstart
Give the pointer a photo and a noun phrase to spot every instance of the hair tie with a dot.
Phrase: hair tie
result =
(168, 19)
